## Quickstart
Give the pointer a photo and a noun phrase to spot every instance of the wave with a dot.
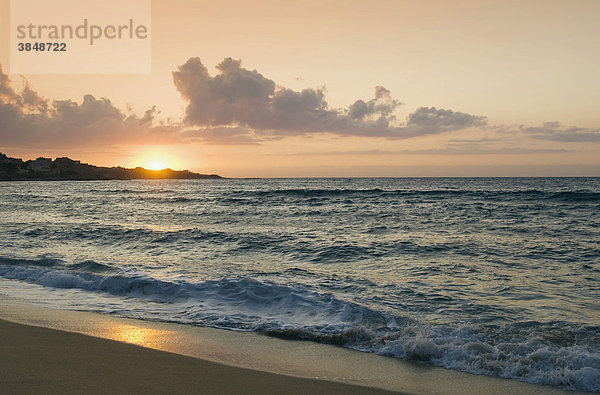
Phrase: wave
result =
(531, 194)
(128, 191)
(243, 242)
(116, 235)
(170, 199)
(555, 353)
(560, 354)
(317, 195)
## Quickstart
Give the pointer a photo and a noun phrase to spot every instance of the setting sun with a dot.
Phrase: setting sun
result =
(155, 164)
(156, 158)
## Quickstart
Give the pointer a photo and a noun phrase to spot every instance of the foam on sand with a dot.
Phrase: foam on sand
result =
(250, 350)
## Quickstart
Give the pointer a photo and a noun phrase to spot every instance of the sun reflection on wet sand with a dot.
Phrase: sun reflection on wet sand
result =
(146, 337)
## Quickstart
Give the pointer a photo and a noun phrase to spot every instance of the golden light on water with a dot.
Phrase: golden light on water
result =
(137, 335)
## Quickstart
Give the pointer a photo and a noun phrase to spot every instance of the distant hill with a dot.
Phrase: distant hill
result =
(13, 169)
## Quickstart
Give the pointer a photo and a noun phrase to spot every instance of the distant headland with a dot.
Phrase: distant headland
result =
(14, 169)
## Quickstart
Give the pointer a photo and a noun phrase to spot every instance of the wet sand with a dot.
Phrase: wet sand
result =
(36, 360)
(93, 353)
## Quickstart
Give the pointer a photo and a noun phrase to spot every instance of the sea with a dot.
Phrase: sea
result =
(490, 276)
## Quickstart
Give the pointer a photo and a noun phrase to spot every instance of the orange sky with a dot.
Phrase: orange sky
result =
(529, 69)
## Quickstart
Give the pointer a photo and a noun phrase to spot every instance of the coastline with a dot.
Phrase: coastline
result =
(52, 351)
(66, 169)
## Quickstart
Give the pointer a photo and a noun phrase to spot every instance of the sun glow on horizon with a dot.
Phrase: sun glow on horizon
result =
(156, 159)
(155, 164)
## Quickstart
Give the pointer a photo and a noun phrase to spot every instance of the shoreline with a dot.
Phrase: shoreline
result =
(38, 359)
(274, 365)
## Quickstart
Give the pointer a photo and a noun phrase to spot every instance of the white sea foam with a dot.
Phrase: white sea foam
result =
(517, 351)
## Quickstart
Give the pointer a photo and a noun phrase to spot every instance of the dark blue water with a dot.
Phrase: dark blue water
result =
(488, 276)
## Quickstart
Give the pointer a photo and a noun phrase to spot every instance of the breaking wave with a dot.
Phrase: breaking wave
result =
(555, 353)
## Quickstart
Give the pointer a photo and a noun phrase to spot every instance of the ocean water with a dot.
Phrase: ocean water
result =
(489, 276)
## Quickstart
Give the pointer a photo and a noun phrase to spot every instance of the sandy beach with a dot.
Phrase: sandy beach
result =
(36, 360)
(56, 351)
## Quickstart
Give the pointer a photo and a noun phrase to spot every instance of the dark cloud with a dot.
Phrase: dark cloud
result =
(28, 99)
(7, 94)
(32, 101)
(239, 97)
(382, 93)
(28, 120)
(235, 106)
(554, 131)
(235, 95)
(240, 106)
(430, 120)
(382, 105)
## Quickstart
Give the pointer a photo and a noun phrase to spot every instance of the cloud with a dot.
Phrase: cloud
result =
(554, 131)
(430, 120)
(7, 94)
(31, 100)
(382, 104)
(235, 106)
(243, 107)
(28, 99)
(238, 97)
(28, 120)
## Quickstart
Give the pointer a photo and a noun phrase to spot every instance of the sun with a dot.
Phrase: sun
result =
(155, 164)
(155, 158)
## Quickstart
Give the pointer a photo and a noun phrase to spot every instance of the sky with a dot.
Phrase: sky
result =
(331, 88)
